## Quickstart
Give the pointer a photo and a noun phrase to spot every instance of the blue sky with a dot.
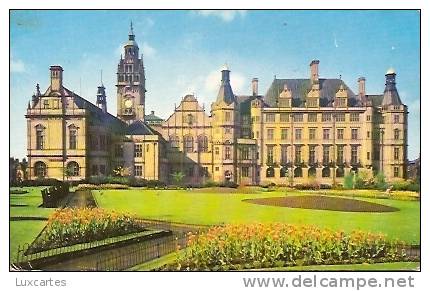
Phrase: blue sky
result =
(184, 51)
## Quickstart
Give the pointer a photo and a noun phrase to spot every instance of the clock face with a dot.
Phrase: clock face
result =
(128, 103)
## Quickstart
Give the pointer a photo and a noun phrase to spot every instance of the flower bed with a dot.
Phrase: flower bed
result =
(70, 226)
(277, 245)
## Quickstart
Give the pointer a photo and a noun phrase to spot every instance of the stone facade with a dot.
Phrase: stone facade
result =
(300, 130)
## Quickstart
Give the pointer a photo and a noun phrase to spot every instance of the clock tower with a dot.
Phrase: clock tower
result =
(131, 82)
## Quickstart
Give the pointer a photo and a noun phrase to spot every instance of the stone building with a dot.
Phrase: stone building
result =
(302, 129)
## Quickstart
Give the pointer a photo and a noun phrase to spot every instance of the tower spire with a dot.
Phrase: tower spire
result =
(131, 33)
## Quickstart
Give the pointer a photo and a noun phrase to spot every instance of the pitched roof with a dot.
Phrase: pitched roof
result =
(301, 87)
(138, 127)
(391, 97)
(376, 99)
(153, 117)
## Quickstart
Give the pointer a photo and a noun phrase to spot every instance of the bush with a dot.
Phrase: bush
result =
(42, 182)
(229, 184)
(17, 191)
(380, 182)
(348, 181)
(282, 244)
(101, 187)
(406, 186)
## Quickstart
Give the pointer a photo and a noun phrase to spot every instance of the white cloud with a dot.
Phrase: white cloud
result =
(148, 50)
(224, 15)
(17, 65)
(213, 80)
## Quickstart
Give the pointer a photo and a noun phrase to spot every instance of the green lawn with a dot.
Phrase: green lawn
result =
(397, 266)
(197, 207)
(22, 232)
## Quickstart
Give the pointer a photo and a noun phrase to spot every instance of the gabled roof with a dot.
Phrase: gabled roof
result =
(138, 127)
(300, 88)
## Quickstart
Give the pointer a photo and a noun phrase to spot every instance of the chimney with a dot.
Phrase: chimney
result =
(314, 70)
(361, 86)
(152, 112)
(56, 78)
(254, 85)
(225, 74)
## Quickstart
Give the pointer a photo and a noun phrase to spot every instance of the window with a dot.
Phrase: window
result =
(354, 117)
(340, 117)
(368, 118)
(40, 169)
(245, 171)
(283, 172)
(73, 169)
(45, 104)
(102, 142)
(368, 155)
(312, 172)
(284, 154)
(188, 144)
(326, 117)
(340, 172)
(298, 117)
(216, 150)
(40, 137)
(270, 172)
(326, 172)
(326, 155)
(298, 133)
(312, 102)
(227, 130)
(298, 172)
(270, 133)
(216, 169)
(312, 117)
(269, 155)
(396, 172)
(189, 119)
(396, 134)
(270, 117)
(339, 154)
(119, 150)
(203, 143)
(396, 154)
(228, 153)
(354, 154)
(354, 133)
(284, 133)
(312, 133)
(312, 154)
(298, 154)
(326, 133)
(227, 116)
(257, 134)
(340, 133)
(204, 172)
(283, 117)
(244, 152)
(368, 134)
(174, 141)
(396, 118)
(138, 171)
(340, 102)
(138, 150)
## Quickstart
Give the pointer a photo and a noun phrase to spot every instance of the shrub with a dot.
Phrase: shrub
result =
(380, 182)
(17, 191)
(406, 186)
(101, 187)
(283, 244)
(229, 184)
(70, 226)
(348, 181)
(42, 182)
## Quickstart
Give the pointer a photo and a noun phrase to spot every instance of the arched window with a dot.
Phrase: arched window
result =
(40, 137)
(73, 169)
(188, 144)
(174, 141)
(73, 133)
(298, 172)
(326, 172)
(312, 172)
(40, 169)
(203, 143)
(189, 119)
(284, 172)
(270, 172)
(340, 172)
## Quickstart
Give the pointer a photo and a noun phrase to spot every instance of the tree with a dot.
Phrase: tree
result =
(177, 177)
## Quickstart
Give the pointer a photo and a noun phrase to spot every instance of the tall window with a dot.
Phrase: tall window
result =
(270, 117)
(216, 151)
(188, 144)
(396, 172)
(396, 118)
(269, 155)
(228, 153)
(270, 133)
(326, 133)
(244, 151)
(174, 141)
(227, 116)
(326, 117)
(138, 171)
(283, 117)
(284, 154)
(298, 133)
(396, 134)
(40, 169)
(73, 169)
(138, 149)
(40, 137)
(354, 154)
(298, 154)
(245, 172)
(298, 117)
(312, 133)
(326, 155)
(203, 143)
(339, 154)
(354, 117)
(340, 117)
(72, 137)
(354, 133)
(284, 133)
(312, 154)
(396, 154)
(340, 133)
